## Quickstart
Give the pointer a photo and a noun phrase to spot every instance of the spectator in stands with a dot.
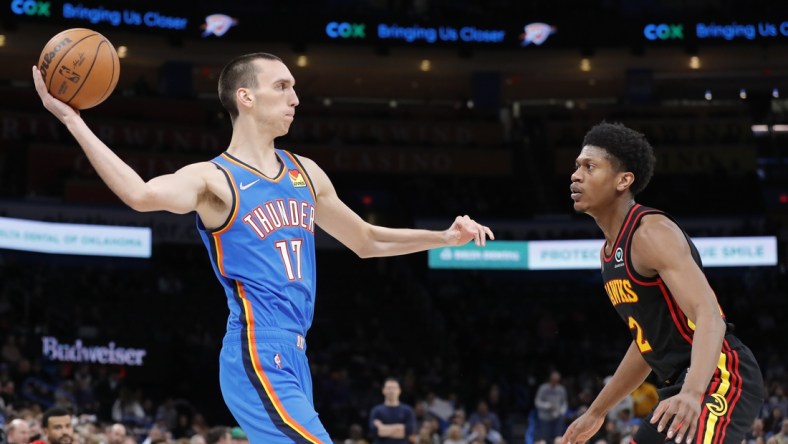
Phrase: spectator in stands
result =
(64, 395)
(237, 436)
(551, 404)
(157, 433)
(355, 435)
(479, 434)
(483, 413)
(127, 408)
(499, 403)
(458, 419)
(107, 392)
(779, 400)
(782, 435)
(167, 413)
(755, 433)
(392, 422)
(454, 435)
(10, 351)
(773, 422)
(199, 426)
(86, 431)
(494, 436)
(184, 428)
(56, 427)
(421, 413)
(626, 425)
(116, 434)
(218, 435)
(430, 430)
(439, 407)
(17, 431)
(626, 403)
(84, 395)
(35, 424)
(7, 386)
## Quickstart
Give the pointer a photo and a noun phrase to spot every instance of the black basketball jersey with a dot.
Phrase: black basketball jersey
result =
(661, 331)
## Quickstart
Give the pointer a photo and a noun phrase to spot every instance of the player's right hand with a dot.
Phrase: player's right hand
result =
(582, 429)
(464, 229)
(55, 106)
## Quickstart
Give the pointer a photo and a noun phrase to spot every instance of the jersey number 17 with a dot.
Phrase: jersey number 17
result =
(292, 262)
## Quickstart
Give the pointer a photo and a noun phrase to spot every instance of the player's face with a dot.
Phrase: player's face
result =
(594, 180)
(59, 430)
(275, 96)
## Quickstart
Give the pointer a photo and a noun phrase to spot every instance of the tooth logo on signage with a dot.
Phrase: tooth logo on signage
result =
(217, 24)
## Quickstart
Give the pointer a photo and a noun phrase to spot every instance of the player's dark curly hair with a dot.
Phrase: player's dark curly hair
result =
(628, 151)
(240, 72)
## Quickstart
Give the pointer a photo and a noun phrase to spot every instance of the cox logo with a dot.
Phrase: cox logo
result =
(30, 7)
(664, 31)
(346, 30)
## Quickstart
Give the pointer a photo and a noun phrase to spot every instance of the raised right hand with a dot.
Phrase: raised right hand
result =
(55, 106)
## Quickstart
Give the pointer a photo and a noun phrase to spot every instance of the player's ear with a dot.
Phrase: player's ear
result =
(625, 180)
(244, 97)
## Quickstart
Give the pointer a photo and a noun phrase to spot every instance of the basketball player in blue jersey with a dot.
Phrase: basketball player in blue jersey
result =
(257, 207)
(711, 384)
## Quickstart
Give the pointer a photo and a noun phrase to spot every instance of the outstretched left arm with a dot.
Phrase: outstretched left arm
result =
(367, 240)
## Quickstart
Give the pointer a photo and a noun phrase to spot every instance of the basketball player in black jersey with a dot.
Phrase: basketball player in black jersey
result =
(711, 384)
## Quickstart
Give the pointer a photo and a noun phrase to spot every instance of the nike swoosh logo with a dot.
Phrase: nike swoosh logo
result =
(246, 186)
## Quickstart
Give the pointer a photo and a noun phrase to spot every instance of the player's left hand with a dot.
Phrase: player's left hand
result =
(464, 229)
(55, 106)
(684, 410)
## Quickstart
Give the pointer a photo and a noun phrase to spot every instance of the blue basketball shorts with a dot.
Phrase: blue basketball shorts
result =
(267, 386)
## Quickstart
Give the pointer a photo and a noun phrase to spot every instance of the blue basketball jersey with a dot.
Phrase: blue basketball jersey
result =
(264, 254)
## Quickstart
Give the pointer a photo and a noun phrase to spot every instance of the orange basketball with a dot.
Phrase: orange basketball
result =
(80, 67)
